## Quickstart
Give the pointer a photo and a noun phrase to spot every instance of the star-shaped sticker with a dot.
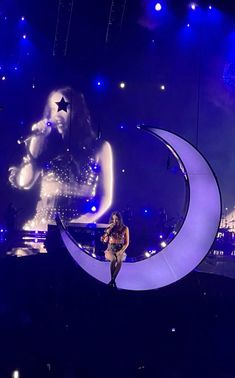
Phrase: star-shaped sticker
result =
(62, 105)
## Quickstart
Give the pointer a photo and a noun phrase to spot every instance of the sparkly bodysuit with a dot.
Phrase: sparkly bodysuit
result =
(66, 189)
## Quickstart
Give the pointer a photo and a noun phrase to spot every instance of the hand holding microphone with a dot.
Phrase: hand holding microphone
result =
(110, 227)
(42, 127)
(105, 237)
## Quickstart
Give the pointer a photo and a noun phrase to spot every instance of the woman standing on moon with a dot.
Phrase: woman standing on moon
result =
(117, 237)
(73, 166)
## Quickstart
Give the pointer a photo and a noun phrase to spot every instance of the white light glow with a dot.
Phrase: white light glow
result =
(16, 374)
(158, 7)
(122, 85)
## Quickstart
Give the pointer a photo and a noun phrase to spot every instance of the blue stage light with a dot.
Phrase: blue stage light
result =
(22, 18)
(24, 36)
(146, 211)
(193, 6)
(158, 7)
(210, 7)
(93, 209)
(98, 82)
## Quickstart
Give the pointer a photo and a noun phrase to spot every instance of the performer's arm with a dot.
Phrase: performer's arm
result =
(107, 232)
(24, 176)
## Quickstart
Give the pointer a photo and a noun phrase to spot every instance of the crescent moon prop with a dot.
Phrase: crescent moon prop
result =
(192, 242)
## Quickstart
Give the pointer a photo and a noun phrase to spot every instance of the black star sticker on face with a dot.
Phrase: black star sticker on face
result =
(62, 105)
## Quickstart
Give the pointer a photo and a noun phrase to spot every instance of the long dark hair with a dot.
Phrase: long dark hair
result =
(80, 134)
(80, 138)
(119, 216)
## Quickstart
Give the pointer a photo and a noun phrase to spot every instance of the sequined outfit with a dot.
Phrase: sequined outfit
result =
(116, 242)
(66, 188)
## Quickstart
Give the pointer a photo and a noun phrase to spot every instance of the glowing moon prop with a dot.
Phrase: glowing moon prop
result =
(193, 240)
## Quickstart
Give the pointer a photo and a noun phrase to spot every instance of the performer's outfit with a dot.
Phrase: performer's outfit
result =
(68, 186)
(116, 241)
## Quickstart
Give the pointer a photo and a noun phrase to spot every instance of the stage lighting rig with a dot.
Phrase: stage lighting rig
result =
(116, 16)
(63, 23)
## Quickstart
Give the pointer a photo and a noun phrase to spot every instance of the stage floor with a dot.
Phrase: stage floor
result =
(56, 321)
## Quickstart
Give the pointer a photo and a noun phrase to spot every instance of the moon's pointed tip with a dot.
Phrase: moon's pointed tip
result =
(142, 126)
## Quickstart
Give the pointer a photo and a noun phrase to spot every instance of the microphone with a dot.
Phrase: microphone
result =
(43, 126)
(109, 228)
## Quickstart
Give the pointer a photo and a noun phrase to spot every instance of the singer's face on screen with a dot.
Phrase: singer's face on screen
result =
(59, 119)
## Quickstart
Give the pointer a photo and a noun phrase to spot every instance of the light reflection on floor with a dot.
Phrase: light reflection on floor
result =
(31, 249)
(22, 243)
